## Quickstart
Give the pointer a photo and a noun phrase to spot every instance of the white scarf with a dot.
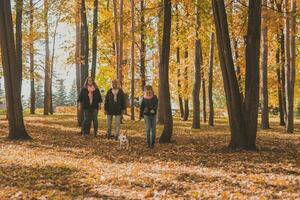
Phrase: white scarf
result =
(115, 93)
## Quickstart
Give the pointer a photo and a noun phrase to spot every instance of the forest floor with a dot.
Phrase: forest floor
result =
(60, 164)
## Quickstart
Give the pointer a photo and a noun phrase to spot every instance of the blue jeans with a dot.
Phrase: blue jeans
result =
(150, 123)
(88, 116)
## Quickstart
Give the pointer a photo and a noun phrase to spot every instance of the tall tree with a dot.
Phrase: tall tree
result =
(264, 71)
(94, 45)
(31, 57)
(186, 88)
(116, 43)
(132, 59)
(19, 39)
(160, 114)
(210, 80)
(84, 43)
(290, 61)
(47, 81)
(197, 75)
(120, 71)
(164, 74)
(143, 45)
(204, 99)
(179, 88)
(11, 74)
(78, 56)
(242, 114)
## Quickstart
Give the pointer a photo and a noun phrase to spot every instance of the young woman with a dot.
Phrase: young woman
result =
(148, 112)
(114, 105)
(90, 101)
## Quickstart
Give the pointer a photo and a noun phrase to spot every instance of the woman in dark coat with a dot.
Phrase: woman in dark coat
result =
(115, 105)
(90, 101)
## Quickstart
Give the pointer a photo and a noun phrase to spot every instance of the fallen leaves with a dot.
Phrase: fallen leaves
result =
(60, 164)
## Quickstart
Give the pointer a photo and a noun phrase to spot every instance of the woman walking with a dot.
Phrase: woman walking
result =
(148, 112)
(114, 105)
(90, 101)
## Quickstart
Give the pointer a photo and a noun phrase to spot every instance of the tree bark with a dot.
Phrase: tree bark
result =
(279, 88)
(78, 57)
(164, 76)
(11, 74)
(94, 45)
(132, 60)
(19, 40)
(204, 99)
(186, 88)
(84, 44)
(160, 114)
(197, 73)
(264, 73)
(287, 66)
(47, 83)
(290, 55)
(242, 115)
(52, 64)
(179, 89)
(210, 81)
(117, 48)
(31, 57)
(252, 71)
(120, 71)
(143, 46)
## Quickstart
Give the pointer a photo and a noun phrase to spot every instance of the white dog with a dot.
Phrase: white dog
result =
(124, 142)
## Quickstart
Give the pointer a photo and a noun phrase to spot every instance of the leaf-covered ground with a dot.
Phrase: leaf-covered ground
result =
(60, 164)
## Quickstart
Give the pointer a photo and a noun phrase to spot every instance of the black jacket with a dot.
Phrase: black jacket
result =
(114, 108)
(147, 105)
(84, 99)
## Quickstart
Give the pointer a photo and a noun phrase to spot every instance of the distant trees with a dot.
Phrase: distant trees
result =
(60, 96)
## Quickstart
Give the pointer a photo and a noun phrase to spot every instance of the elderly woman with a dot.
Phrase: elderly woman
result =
(89, 99)
(114, 105)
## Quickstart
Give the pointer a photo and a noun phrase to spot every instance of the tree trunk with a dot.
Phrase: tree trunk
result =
(120, 71)
(47, 83)
(11, 74)
(210, 81)
(179, 89)
(132, 60)
(287, 66)
(143, 46)
(264, 72)
(94, 45)
(19, 46)
(282, 73)
(164, 75)
(78, 58)
(204, 99)
(278, 62)
(52, 64)
(242, 117)
(160, 114)
(290, 55)
(197, 73)
(252, 72)
(84, 44)
(117, 48)
(186, 88)
(31, 57)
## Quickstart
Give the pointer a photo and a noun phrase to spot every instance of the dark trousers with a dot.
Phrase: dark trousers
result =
(88, 116)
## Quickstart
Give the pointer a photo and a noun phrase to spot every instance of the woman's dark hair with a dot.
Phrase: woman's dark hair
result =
(87, 80)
